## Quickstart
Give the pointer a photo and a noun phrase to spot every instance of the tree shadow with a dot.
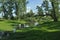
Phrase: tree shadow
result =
(51, 25)
(34, 35)
(1, 20)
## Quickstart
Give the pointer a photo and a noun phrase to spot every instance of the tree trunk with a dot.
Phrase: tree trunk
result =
(54, 13)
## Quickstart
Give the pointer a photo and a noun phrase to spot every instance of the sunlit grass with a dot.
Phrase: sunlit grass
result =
(4, 25)
(49, 26)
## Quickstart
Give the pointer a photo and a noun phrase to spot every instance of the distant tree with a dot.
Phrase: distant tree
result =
(30, 14)
(45, 5)
(40, 11)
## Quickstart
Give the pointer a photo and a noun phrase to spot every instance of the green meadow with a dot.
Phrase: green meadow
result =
(46, 31)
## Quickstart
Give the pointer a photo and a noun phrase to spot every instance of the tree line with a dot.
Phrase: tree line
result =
(51, 10)
(18, 9)
(10, 7)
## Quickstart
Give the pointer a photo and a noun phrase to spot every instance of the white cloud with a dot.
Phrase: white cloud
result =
(38, 5)
(28, 9)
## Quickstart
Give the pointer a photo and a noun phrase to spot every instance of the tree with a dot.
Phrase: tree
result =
(40, 11)
(21, 7)
(7, 8)
(30, 14)
(45, 5)
(55, 9)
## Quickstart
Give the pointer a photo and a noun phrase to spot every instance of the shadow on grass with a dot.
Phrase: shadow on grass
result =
(34, 35)
(51, 25)
(12, 22)
(1, 20)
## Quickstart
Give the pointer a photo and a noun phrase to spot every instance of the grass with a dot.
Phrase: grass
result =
(45, 31)
(4, 25)
(34, 35)
(7, 25)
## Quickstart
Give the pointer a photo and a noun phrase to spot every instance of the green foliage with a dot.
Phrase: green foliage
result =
(45, 4)
(30, 14)
(40, 11)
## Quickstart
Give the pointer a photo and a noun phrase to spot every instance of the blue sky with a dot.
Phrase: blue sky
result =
(32, 5)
